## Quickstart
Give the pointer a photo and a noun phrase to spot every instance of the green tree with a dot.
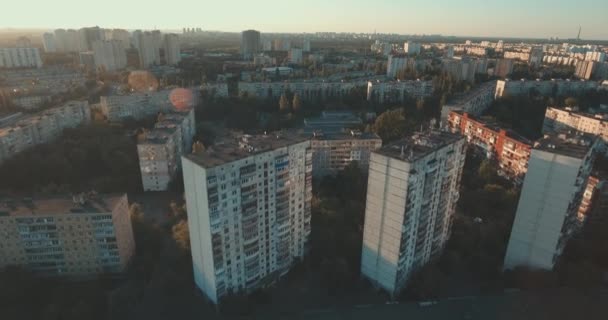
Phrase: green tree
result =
(571, 102)
(390, 125)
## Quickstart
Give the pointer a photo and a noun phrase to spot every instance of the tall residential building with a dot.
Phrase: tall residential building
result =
(161, 148)
(249, 211)
(547, 213)
(585, 69)
(148, 47)
(395, 65)
(20, 58)
(79, 236)
(250, 43)
(503, 68)
(306, 45)
(412, 192)
(48, 42)
(171, 48)
(295, 55)
(109, 55)
(597, 56)
(411, 47)
(536, 56)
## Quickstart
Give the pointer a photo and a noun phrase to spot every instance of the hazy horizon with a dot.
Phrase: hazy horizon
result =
(474, 18)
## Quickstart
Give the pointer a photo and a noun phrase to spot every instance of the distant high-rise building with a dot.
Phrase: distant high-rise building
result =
(148, 47)
(411, 200)
(503, 68)
(109, 55)
(306, 45)
(295, 55)
(536, 56)
(449, 52)
(547, 213)
(48, 42)
(395, 65)
(585, 69)
(20, 58)
(249, 210)
(91, 35)
(172, 50)
(250, 43)
(411, 47)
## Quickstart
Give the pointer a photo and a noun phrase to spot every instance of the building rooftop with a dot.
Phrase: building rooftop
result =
(570, 144)
(235, 146)
(331, 122)
(344, 135)
(419, 145)
(67, 204)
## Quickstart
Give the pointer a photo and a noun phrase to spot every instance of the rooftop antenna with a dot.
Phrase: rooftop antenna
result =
(578, 37)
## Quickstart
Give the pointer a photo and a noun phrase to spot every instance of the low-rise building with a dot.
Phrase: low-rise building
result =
(554, 87)
(307, 90)
(161, 148)
(78, 236)
(474, 102)
(510, 150)
(557, 120)
(140, 105)
(398, 91)
(25, 132)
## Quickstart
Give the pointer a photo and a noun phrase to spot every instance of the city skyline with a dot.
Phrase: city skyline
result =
(514, 19)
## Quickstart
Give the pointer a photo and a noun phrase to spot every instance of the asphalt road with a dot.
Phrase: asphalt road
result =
(551, 304)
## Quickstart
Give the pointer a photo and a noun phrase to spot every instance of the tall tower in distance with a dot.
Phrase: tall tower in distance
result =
(250, 43)
(412, 192)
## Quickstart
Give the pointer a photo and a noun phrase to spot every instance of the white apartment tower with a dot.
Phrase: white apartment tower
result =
(148, 47)
(546, 217)
(109, 55)
(412, 192)
(171, 46)
(248, 203)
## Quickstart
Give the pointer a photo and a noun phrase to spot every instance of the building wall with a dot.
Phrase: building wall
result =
(408, 213)
(332, 155)
(398, 91)
(549, 188)
(20, 58)
(69, 244)
(249, 219)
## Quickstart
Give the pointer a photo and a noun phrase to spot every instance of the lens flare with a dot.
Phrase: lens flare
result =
(142, 81)
(181, 98)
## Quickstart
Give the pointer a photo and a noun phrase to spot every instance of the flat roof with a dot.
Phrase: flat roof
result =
(346, 135)
(57, 205)
(235, 145)
(575, 144)
(419, 145)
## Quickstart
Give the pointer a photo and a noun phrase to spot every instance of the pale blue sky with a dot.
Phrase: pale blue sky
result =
(510, 18)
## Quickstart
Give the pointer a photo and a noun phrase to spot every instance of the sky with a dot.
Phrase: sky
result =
(491, 18)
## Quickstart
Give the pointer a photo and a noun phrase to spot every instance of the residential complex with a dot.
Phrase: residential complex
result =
(109, 55)
(161, 148)
(25, 131)
(398, 91)
(474, 102)
(411, 200)
(395, 65)
(248, 201)
(543, 87)
(78, 236)
(511, 150)
(137, 105)
(551, 197)
(20, 58)
(172, 49)
(308, 91)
